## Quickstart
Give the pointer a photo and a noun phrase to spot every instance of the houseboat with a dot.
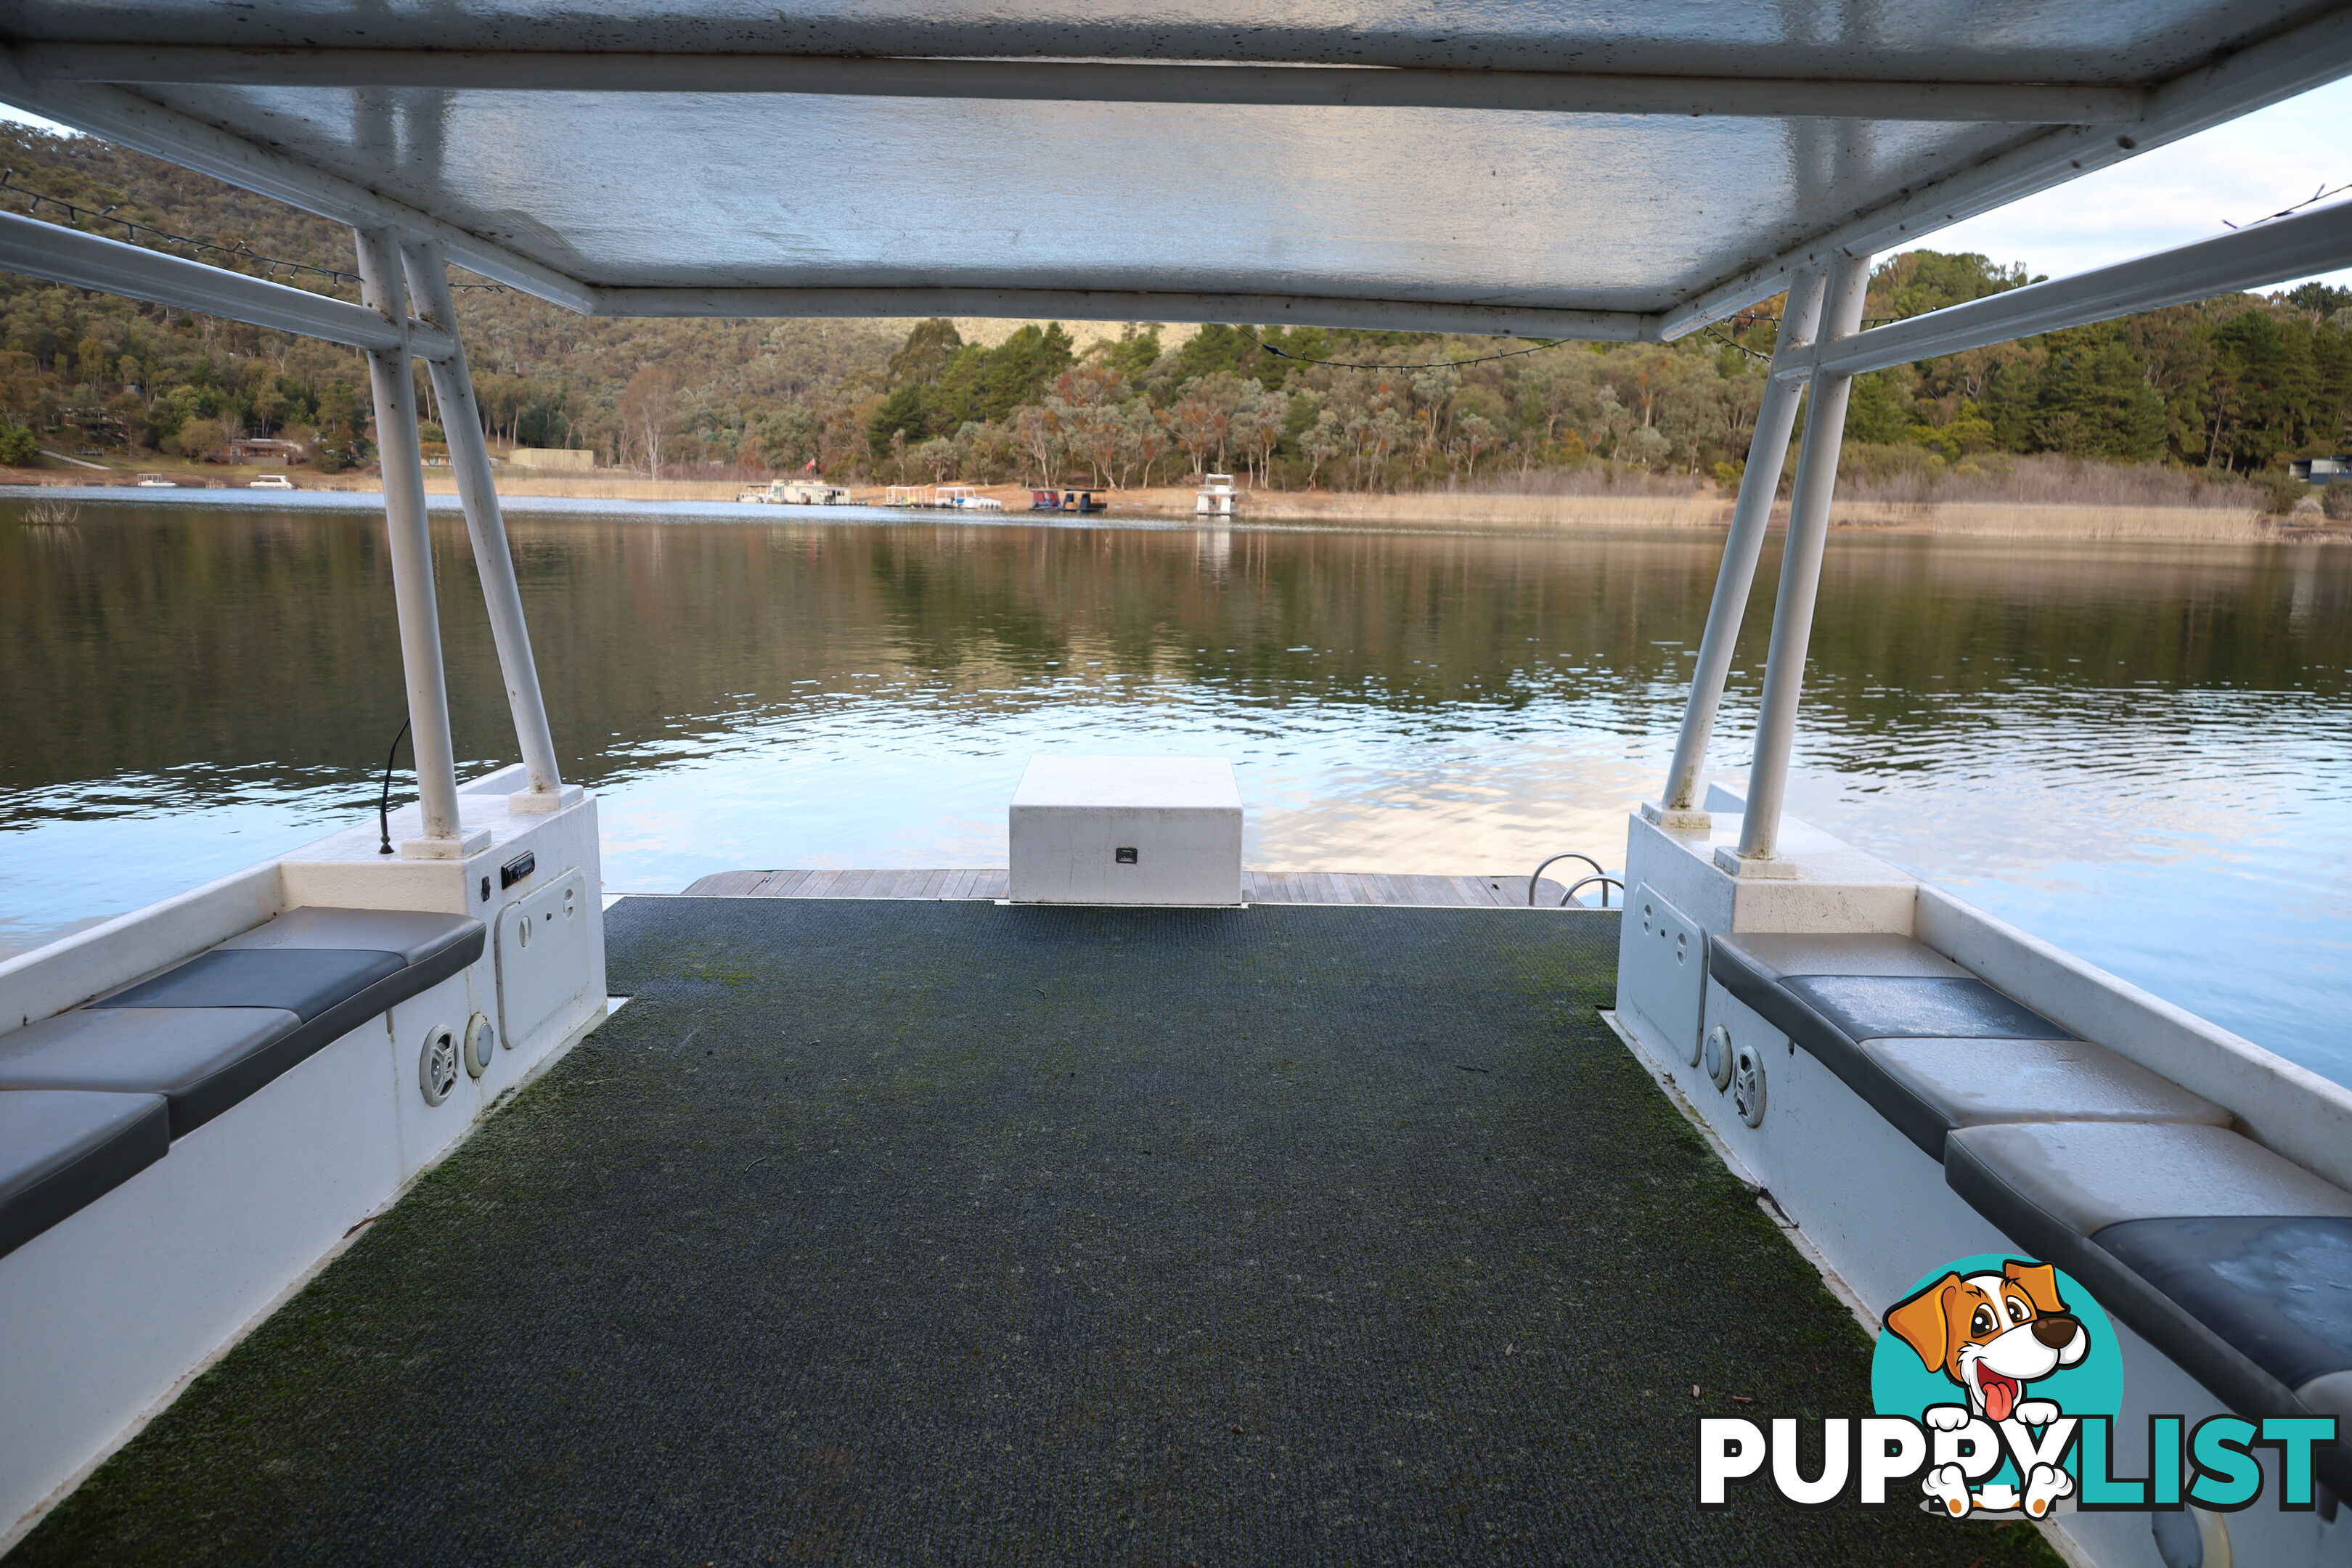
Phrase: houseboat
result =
(1067, 498)
(797, 492)
(966, 498)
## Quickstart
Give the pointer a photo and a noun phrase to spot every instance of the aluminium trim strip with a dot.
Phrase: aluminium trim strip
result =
(1104, 81)
(167, 133)
(92, 261)
(2271, 252)
(1109, 305)
(2256, 77)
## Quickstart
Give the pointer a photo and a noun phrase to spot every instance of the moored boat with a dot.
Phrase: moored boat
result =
(797, 492)
(1067, 498)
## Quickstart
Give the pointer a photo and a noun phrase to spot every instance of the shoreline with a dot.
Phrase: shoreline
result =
(1172, 507)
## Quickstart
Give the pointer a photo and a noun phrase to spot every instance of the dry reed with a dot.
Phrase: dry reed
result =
(1586, 479)
(585, 489)
(1465, 510)
(1907, 475)
(2241, 524)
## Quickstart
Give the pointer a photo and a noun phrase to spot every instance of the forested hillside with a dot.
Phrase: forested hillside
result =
(2232, 387)
(99, 370)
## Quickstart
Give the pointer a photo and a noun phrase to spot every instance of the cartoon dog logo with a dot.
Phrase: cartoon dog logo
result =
(1992, 1334)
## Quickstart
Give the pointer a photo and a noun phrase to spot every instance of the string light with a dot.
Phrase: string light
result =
(2315, 197)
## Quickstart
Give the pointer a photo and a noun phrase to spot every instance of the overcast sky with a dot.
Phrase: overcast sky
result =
(2187, 191)
(2235, 173)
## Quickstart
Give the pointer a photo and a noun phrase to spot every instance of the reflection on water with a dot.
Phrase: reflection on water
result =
(2136, 752)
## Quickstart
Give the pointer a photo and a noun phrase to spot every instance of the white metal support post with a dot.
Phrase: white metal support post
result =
(469, 455)
(393, 383)
(1768, 452)
(1800, 581)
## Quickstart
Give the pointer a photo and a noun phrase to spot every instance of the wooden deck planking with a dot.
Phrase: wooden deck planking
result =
(1500, 891)
(734, 884)
(1504, 889)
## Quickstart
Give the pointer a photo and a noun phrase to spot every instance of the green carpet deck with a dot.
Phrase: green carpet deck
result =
(918, 1232)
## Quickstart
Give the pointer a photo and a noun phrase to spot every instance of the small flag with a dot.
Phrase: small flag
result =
(809, 467)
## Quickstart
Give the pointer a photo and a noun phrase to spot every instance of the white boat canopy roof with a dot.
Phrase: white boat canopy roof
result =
(1539, 167)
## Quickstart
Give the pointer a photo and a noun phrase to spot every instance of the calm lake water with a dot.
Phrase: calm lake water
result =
(2137, 752)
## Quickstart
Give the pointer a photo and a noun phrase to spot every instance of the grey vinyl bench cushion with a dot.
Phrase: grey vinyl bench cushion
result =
(414, 936)
(307, 982)
(61, 1150)
(1918, 1007)
(1830, 992)
(2235, 1263)
(1759, 971)
(203, 1059)
(1930, 1045)
(1932, 1086)
(215, 1029)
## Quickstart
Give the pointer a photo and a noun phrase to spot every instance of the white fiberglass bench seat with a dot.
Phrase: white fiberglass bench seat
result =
(2234, 1261)
(91, 1096)
(1932, 1047)
(62, 1149)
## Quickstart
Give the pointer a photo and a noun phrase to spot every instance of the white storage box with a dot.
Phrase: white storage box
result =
(1126, 830)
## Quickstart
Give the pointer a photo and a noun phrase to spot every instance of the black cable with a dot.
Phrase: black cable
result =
(2316, 196)
(383, 801)
(1731, 344)
(1746, 320)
